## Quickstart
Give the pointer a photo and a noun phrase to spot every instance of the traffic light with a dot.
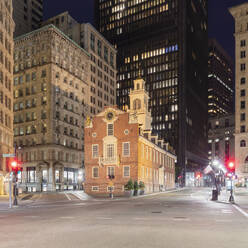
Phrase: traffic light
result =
(15, 166)
(230, 166)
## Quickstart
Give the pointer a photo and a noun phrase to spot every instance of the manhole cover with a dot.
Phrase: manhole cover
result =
(157, 212)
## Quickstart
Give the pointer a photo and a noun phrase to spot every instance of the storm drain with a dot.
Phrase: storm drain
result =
(180, 217)
(157, 212)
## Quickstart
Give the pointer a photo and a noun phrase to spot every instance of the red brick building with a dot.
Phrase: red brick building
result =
(120, 144)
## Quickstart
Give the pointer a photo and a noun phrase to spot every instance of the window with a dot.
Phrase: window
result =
(95, 151)
(95, 172)
(95, 188)
(242, 67)
(242, 129)
(110, 129)
(242, 54)
(31, 174)
(242, 143)
(33, 75)
(110, 150)
(136, 104)
(243, 43)
(242, 117)
(111, 171)
(242, 104)
(242, 92)
(126, 149)
(111, 59)
(242, 80)
(92, 42)
(106, 54)
(99, 48)
(126, 171)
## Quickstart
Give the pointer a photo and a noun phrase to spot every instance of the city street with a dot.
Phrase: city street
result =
(184, 219)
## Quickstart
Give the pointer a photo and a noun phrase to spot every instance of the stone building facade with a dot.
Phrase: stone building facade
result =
(221, 142)
(103, 59)
(6, 87)
(120, 144)
(28, 15)
(51, 95)
(240, 16)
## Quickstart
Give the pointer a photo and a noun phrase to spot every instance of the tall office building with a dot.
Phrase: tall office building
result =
(6, 90)
(51, 92)
(239, 14)
(103, 59)
(27, 15)
(220, 81)
(165, 41)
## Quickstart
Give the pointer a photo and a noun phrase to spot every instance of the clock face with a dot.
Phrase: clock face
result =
(110, 115)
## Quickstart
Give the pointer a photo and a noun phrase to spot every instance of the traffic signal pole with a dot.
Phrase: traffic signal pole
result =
(231, 198)
(10, 189)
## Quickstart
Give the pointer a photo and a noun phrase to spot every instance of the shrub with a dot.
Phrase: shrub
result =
(136, 185)
(141, 185)
(129, 185)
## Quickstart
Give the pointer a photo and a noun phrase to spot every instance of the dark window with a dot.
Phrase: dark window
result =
(242, 43)
(242, 67)
(242, 54)
(242, 80)
(242, 93)
(242, 143)
(242, 129)
(242, 116)
(242, 104)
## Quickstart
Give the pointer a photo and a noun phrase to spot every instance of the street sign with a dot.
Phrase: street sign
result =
(9, 155)
(111, 184)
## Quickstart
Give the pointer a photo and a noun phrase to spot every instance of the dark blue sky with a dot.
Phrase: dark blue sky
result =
(221, 23)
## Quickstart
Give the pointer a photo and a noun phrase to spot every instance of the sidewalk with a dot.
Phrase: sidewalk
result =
(240, 198)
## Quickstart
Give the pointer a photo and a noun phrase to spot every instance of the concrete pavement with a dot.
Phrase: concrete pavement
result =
(184, 219)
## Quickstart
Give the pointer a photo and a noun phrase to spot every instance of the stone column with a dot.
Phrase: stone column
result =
(39, 178)
(51, 178)
(61, 171)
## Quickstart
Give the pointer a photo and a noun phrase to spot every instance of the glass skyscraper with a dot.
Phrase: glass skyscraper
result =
(166, 42)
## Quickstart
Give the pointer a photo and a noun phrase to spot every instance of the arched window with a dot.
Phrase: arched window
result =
(242, 143)
(246, 160)
(136, 104)
(138, 86)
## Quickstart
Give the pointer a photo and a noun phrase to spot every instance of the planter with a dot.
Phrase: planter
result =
(128, 193)
(141, 192)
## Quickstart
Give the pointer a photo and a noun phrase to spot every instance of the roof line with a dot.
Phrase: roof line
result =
(46, 28)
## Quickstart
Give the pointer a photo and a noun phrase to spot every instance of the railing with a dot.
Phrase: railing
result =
(108, 160)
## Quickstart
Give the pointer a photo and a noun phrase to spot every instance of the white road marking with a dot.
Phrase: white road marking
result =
(226, 211)
(68, 197)
(140, 219)
(67, 217)
(223, 221)
(181, 219)
(79, 204)
(104, 218)
(31, 216)
(241, 211)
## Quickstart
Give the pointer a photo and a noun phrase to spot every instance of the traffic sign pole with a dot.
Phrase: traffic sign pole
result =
(10, 189)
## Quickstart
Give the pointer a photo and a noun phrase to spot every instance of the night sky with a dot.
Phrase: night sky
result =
(221, 23)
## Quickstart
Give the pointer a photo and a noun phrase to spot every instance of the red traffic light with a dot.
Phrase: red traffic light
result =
(230, 166)
(14, 164)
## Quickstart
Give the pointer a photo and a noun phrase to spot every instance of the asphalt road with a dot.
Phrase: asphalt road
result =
(184, 219)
